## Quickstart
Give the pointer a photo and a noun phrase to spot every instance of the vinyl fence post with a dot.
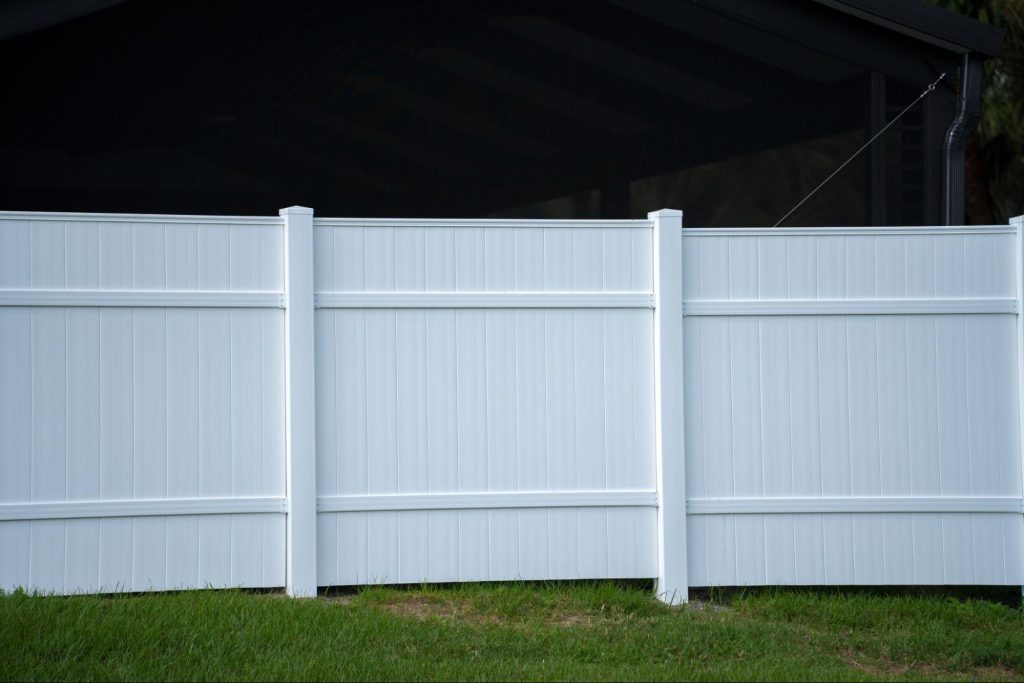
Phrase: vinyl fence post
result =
(1018, 224)
(672, 586)
(300, 397)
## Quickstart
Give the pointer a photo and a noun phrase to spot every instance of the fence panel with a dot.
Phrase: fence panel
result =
(289, 401)
(141, 402)
(484, 400)
(851, 406)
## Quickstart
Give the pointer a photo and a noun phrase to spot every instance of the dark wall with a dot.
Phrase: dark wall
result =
(421, 109)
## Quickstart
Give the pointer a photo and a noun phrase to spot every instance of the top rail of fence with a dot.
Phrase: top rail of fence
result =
(478, 223)
(81, 217)
(858, 230)
(88, 217)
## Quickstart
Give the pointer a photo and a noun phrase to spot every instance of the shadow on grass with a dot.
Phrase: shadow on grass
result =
(630, 585)
(1009, 596)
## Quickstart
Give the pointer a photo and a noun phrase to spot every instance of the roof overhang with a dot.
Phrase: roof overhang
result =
(926, 22)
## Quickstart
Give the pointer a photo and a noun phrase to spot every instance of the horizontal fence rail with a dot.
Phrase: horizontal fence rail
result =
(738, 506)
(485, 300)
(867, 231)
(486, 223)
(139, 299)
(490, 500)
(76, 219)
(141, 508)
(842, 307)
(299, 402)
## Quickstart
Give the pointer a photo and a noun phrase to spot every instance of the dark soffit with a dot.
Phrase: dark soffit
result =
(924, 21)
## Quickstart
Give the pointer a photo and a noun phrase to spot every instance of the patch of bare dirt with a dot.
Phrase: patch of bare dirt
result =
(423, 607)
(420, 607)
(879, 667)
(340, 599)
(703, 606)
(570, 620)
(883, 666)
(1001, 672)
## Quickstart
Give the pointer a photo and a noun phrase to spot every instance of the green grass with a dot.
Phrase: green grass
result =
(513, 631)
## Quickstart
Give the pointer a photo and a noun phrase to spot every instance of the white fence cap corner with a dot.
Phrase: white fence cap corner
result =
(662, 213)
(296, 210)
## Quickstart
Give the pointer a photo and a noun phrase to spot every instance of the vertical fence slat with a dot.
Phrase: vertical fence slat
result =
(672, 586)
(300, 439)
(1018, 223)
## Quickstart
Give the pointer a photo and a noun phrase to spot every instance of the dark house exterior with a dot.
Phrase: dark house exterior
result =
(731, 110)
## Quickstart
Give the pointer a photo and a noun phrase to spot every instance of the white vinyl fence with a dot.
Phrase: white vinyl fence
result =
(852, 406)
(141, 402)
(484, 401)
(288, 401)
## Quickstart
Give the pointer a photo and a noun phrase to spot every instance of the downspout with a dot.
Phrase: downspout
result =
(967, 117)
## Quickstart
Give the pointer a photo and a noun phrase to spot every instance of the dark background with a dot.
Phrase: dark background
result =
(512, 108)
(995, 153)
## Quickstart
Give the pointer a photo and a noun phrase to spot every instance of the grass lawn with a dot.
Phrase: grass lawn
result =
(562, 631)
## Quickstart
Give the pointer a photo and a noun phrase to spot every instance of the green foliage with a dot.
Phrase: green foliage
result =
(585, 631)
(1000, 133)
